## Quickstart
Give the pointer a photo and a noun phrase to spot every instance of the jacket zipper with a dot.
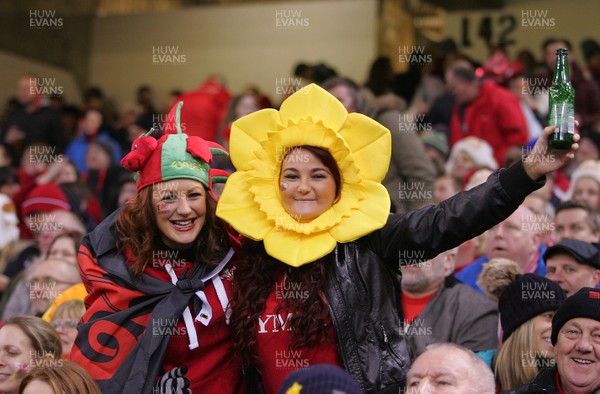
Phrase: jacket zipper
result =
(389, 347)
(336, 326)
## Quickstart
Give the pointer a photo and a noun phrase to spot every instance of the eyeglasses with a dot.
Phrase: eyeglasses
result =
(63, 323)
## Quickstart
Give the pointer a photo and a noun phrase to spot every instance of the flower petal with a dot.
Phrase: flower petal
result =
(296, 249)
(251, 201)
(370, 144)
(237, 207)
(247, 134)
(372, 214)
(313, 102)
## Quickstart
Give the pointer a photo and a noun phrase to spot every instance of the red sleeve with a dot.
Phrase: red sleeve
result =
(455, 133)
(94, 209)
(511, 123)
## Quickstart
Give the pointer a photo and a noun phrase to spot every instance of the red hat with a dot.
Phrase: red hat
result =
(45, 198)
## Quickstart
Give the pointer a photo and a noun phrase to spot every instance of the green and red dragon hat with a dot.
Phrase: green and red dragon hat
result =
(173, 156)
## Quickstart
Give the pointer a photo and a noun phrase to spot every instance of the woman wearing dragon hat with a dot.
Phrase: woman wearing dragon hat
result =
(158, 274)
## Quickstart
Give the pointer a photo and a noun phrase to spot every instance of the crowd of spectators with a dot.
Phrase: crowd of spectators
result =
(456, 122)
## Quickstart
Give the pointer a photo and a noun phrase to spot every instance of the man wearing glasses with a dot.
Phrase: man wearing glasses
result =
(48, 280)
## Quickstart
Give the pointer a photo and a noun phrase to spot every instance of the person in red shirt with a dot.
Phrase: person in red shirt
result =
(484, 110)
(158, 273)
(438, 308)
(204, 109)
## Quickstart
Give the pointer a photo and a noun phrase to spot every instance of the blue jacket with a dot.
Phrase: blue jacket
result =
(78, 148)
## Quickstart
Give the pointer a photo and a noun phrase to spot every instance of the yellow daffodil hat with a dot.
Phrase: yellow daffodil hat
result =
(251, 201)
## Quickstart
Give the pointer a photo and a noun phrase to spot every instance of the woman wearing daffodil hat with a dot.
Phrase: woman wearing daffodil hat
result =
(319, 277)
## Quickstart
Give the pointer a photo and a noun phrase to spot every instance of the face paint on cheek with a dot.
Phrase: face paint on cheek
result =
(284, 186)
(22, 369)
(163, 208)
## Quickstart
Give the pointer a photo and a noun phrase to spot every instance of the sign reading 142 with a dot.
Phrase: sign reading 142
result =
(503, 26)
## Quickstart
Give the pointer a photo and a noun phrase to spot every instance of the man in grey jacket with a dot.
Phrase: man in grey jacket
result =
(438, 308)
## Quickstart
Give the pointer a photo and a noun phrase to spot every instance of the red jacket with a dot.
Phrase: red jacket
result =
(203, 111)
(495, 116)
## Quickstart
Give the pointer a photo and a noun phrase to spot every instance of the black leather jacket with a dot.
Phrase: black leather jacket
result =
(364, 287)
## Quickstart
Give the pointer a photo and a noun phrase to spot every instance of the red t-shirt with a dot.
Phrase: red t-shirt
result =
(274, 341)
(211, 367)
(412, 307)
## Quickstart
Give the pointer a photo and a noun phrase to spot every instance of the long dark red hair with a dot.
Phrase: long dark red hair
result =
(255, 279)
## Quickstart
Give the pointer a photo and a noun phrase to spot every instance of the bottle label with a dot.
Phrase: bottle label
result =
(563, 116)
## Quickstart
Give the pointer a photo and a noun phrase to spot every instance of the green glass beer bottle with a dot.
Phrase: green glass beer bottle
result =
(561, 111)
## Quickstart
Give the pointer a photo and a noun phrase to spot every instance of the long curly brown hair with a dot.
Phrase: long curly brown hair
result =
(137, 229)
(255, 279)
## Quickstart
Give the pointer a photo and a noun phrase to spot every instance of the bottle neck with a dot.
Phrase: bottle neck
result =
(561, 71)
